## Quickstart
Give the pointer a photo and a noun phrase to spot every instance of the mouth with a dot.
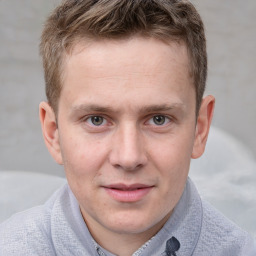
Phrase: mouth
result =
(128, 193)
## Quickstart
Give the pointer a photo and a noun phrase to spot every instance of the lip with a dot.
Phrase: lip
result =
(128, 193)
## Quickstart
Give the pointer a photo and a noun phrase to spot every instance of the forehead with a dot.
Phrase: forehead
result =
(125, 66)
(139, 53)
(101, 48)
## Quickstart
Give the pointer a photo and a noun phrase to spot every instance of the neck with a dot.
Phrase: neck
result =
(121, 243)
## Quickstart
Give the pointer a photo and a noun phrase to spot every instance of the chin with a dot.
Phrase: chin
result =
(136, 223)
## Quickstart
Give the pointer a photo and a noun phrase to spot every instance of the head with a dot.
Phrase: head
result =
(165, 20)
(125, 114)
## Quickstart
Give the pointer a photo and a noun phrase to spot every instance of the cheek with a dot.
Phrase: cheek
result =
(82, 164)
(172, 159)
(172, 153)
(82, 156)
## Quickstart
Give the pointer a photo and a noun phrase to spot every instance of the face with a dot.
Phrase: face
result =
(126, 131)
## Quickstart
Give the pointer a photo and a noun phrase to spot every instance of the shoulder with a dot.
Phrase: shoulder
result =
(29, 231)
(220, 236)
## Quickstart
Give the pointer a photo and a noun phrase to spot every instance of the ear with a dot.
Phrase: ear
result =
(50, 131)
(203, 125)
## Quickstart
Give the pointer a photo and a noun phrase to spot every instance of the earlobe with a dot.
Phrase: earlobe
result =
(203, 125)
(50, 130)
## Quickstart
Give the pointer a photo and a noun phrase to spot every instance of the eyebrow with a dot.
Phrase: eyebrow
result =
(109, 109)
(91, 108)
(162, 107)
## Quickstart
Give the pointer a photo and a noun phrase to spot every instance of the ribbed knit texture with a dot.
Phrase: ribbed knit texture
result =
(57, 228)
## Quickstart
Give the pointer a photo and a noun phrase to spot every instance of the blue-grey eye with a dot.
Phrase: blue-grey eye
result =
(159, 120)
(96, 120)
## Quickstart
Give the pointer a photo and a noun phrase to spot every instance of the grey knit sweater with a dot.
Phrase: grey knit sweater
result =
(57, 228)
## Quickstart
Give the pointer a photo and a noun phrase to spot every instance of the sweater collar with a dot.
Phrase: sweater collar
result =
(72, 237)
(184, 224)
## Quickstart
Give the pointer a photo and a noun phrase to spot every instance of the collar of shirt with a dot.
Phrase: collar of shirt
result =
(71, 236)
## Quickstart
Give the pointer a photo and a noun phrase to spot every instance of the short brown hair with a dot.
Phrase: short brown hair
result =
(168, 20)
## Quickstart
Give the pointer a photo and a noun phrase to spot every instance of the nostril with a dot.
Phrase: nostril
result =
(127, 153)
(129, 168)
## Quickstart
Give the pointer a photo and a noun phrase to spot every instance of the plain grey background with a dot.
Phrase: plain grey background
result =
(231, 33)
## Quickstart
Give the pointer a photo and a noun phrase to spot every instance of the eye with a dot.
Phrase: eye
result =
(159, 120)
(96, 120)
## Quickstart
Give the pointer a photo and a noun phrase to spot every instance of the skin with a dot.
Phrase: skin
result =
(144, 131)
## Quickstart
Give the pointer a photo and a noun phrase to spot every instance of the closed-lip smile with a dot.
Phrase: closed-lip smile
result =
(128, 193)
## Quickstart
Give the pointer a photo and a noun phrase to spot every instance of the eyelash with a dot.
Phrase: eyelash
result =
(166, 120)
(104, 120)
(149, 121)
(91, 127)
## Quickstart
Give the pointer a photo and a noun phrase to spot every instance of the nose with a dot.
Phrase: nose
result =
(128, 150)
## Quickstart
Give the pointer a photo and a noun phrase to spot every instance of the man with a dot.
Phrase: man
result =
(125, 114)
